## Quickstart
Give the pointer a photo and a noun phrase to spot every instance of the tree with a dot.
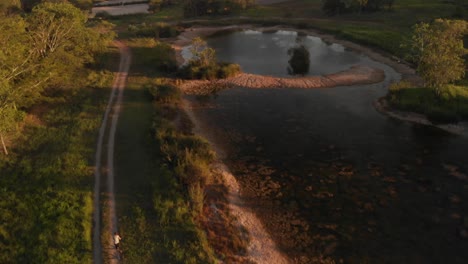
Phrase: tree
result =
(437, 49)
(202, 55)
(43, 49)
(16, 68)
(299, 62)
(61, 40)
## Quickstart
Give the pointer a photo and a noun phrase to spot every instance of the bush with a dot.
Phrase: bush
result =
(212, 71)
(164, 92)
(227, 70)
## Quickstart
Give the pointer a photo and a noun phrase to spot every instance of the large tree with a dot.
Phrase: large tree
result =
(43, 49)
(437, 48)
(16, 66)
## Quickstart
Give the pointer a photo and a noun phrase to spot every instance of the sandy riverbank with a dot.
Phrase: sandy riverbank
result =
(354, 75)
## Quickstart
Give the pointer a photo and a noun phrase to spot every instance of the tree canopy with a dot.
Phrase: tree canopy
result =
(41, 49)
(299, 62)
(437, 48)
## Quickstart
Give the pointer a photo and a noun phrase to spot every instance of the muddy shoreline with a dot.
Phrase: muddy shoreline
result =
(383, 107)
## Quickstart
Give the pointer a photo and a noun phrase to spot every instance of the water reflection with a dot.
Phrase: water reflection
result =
(267, 53)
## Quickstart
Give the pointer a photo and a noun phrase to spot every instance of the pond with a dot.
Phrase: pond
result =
(329, 176)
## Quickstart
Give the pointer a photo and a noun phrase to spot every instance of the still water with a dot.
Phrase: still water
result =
(331, 178)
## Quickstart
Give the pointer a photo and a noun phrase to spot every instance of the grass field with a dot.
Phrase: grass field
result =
(46, 181)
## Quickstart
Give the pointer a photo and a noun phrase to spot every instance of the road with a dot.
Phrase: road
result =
(104, 201)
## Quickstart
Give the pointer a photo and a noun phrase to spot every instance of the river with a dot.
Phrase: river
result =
(330, 177)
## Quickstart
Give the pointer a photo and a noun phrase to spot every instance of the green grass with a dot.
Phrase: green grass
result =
(157, 217)
(451, 106)
(46, 193)
(385, 29)
(46, 182)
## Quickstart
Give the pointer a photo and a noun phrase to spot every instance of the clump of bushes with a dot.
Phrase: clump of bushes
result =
(164, 92)
(203, 65)
(154, 56)
(211, 71)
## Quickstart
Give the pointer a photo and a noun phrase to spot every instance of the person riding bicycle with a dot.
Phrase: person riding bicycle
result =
(117, 239)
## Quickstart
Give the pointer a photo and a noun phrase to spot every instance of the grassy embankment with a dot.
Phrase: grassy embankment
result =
(450, 107)
(384, 30)
(47, 180)
(162, 169)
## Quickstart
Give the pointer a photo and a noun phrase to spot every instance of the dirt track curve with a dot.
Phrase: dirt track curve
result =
(106, 207)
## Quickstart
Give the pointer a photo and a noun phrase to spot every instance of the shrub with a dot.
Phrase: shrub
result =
(209, 72)
(227, 70)
(164, 93)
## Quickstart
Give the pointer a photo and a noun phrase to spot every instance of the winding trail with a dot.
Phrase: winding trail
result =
(107, 206)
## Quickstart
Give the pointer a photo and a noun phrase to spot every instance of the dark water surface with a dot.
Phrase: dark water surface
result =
(267, 53)
(331, 178)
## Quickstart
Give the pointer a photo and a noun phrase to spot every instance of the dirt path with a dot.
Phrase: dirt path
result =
(107, 206)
